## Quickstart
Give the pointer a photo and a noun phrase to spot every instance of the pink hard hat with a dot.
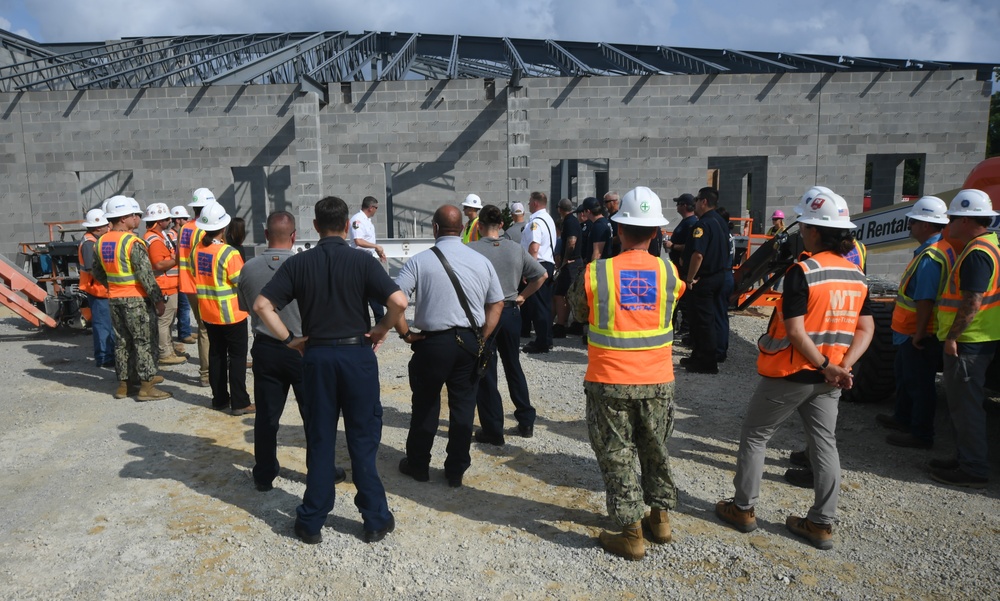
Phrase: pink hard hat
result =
(779, 214)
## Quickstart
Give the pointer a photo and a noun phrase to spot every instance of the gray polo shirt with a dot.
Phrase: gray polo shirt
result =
(438, 307)
(253, 277)
(511, 262)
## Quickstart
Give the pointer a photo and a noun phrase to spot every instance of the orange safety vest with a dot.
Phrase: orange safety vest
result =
(87, 282)
(837, 290)
(167, 280)
(985, 326)
(115, 250)
(216, 266)
(632, 298)
(904, 316)
(190, 237)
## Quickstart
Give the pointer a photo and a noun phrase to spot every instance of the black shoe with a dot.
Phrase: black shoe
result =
(533, 349)
(418, 475)
(720, 358)
(558, 331)
(685, 361)
(263, 487)
(802, 478)
(493, 439)
(900, 439)
(958, 477)
(702, 368)
(455, 481)
(575, 328)
(943, 464)
(341, 476)
(889, 422)
(584, 340)
(526, 431)
(309, 539)
(799, 458)
(377, 535)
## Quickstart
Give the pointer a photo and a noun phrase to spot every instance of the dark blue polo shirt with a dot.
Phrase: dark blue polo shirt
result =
(710, 237)
(571, 229)
(681, 235)
(599, 231)
(332, 283)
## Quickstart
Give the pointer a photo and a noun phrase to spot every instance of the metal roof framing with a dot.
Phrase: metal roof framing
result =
(314, 59)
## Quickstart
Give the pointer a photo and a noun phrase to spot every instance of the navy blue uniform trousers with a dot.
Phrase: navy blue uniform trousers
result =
(276, 368)
(441, 360)
(335, 380)
(539, 309)
(505, 343)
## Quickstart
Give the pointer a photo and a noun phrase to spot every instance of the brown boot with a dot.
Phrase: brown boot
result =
(745, 520)
(172, 360)
(148, 393)
(122, 391)
(628, 544)
(657, 523)
(156, 380)
(180, 349)
(820, 535)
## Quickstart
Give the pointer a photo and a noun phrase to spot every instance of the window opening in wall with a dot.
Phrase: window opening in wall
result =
(742, 185)
(892, 178)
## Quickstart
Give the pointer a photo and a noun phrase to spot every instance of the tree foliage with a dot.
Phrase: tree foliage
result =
(993, 131)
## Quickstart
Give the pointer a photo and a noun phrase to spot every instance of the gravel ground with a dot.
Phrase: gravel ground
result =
(113, 499)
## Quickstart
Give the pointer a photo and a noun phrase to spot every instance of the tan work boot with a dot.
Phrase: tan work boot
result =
(156, 380)
(658, 525)
(628, 544)
(820, 535)
(744, 520)
(172, 360)
(122, 391)
(148, 393)
(180, 349)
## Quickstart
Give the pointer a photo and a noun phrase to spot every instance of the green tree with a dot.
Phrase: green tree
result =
(993, 131)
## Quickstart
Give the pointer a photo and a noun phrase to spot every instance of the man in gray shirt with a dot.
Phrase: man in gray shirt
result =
(276, 367)
(512, 263)
(446, 348)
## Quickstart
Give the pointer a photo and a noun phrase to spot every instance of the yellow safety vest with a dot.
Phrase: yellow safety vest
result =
(985, 326)
(904, 315)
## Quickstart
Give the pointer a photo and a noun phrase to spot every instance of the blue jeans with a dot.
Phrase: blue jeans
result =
(183, 316)
(916, 398)
(104, 334)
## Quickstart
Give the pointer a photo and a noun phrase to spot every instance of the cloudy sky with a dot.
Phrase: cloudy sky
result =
(945, 30)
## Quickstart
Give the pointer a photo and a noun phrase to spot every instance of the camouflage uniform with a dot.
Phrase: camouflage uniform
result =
(135, 348)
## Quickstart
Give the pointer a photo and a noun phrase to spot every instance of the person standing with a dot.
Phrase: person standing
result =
(332, 283)
(675, 247)
(597, 242)
(188, 239)
(777, 223)
(217, 268)
(567, 265)
(363, 238)
(470, 208)
(821, 329)
(611, 204)
(122, 264)
(446, 348)
(179, 216)
(539, 239)
(163, 257)
(707, 257)
(968, 323)
(512, 264)
(918, 352)
(628, 301)
(97, 294)
(516, 228)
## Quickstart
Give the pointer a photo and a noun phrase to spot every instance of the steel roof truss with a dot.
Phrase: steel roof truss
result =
(400, 64)
(690, 62)
(568, 64)
(763, 64)
(344, 65)
(281, 64)
(627, 62)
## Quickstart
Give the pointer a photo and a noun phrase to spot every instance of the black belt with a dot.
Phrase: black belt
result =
(509, 304)
(351, 341)
(428, 334)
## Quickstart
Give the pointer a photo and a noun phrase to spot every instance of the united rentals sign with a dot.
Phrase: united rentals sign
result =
(889, 225)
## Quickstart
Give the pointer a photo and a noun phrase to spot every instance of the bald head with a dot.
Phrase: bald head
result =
(280, 232)
(448, 220)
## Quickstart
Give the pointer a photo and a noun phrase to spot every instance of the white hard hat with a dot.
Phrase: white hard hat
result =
(473, 201)
(808, 197)
(104, 205)
(202, 197)
(118, 206)
(972, 203)
(136, 207)
(213, 218)
(641, 206)
(827, 209)
(157, 211)
(930, 209)
(180, 211)
(95, 218)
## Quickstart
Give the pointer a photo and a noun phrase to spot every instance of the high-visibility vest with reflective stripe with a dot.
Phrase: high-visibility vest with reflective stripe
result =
(837, 290)
(188, 239)
(985, 325)
(904, 315)
(858, 256)
(632, 299)
(216, 265)
(115, 250)
(471, 232)
(168, 280)
(87, 282)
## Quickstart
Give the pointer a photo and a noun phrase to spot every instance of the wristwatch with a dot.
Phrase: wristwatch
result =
(290, 338)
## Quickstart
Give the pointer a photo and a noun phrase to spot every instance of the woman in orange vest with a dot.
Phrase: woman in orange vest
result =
(163, 256)
(216, 267)
(815, 336)
(97, 294)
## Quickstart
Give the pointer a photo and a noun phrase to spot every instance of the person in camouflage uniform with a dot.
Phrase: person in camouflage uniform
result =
(629, 301)
(132, 311)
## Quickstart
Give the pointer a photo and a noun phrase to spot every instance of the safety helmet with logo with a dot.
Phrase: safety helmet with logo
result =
(157, 211)
(118, 206)
(95, 218)
(827, 209)
(136, 207)
(202, 198)
(104, 205)
(972, 203)
(808, 197)
(180, 211)
(213, 218)
(641, 206)
(930, 209)
(473, 201)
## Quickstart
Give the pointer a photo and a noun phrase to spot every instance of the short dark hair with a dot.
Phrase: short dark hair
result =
(368, 201)
(236, 233)
(635, 233)
(539, 197)
(710, 195)
(331, 214)
(490, 216)
(838, 240)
